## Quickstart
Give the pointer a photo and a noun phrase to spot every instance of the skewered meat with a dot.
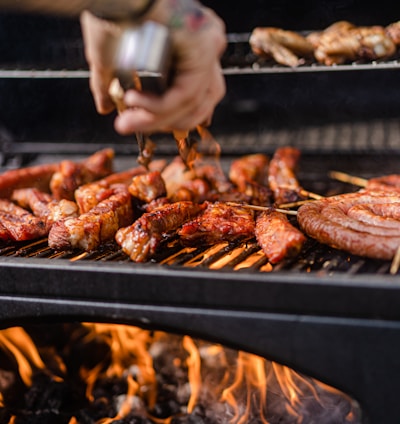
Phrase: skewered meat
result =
(342, 42)
(282, 45)
(282, 179)
(218, 222)
(44, 206)
(336, 222)
(18, 224)
(38, 176)
(97, 226)
(250, 175)
(277, 237)
(71, 175)
(141, 240)
(148, 187)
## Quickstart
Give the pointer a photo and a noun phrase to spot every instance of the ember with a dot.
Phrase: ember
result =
(109, 373)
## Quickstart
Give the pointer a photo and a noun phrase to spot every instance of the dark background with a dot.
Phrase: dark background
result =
(62, 110)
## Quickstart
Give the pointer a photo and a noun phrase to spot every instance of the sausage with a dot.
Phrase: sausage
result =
(335, 221)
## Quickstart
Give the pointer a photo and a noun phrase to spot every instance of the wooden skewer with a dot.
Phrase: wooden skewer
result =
(295, 204)
(261, 208)
(350, 179)
(396, 262)
(311, 195)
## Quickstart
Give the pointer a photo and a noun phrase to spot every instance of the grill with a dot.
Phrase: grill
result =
(328, 314)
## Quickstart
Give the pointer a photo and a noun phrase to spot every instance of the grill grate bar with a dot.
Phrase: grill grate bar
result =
(239, 257)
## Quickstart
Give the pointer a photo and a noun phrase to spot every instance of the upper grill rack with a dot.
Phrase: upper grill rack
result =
(66, 60)
(239, 60)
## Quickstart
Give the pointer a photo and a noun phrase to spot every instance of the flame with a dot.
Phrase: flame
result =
(194, 364)
(242, 385)
(250, 372)
(22, 348)
(129, 349)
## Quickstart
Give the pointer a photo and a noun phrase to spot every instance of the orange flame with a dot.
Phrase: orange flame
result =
(21, 346)
(194, 365)
(245, 383)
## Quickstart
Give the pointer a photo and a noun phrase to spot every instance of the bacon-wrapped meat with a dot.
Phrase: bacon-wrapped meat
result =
(365, 223)
(277, 237)
(97, 226)
(71, 175)
(141, 240)
(218, 222)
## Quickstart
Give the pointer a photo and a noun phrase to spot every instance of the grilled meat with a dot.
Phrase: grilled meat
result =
(141, 240)
(282, 179)
(148, 187)
(387, 182)
(218, 222)
(72, 175)
(277, 237)
(97, 226)
(44, 206)
(89, 195)
(18, 224)
(250, 175)
(283, 46)
(38, 176)
(365, 223)
(343, 42)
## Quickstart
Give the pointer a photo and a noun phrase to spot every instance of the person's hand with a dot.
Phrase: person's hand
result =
(99, 37)
(198, 40)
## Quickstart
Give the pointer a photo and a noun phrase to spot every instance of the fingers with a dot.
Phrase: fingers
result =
(189, 102)
(100, 81)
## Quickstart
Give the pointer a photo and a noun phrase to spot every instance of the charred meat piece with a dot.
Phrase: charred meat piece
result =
(218, 222)
(97, 226)
(277, 237)
(148, 187)
(365, 223)
(19, 223)
(141, 240)
(44, 206)
(38, 176)
(283, 46)
(282, 179)
(71, 175)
